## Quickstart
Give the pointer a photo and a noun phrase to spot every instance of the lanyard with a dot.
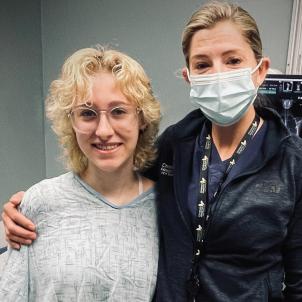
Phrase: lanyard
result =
(202, 204)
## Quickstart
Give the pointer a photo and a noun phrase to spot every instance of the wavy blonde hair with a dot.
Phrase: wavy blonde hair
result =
(74, 85)
(215, 11)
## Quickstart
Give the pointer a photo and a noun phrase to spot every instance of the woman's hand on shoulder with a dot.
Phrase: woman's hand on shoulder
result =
(18, 229)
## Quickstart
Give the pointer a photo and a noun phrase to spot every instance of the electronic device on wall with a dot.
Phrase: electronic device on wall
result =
(283, 93)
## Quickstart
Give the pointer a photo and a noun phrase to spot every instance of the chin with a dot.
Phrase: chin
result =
(111, 166)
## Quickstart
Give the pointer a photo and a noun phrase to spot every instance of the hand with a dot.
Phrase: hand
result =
(18, 229)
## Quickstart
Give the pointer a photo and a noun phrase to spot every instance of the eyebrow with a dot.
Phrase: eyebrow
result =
(204, 56)
(118, 103)
(231, 51)
(112, 104)
(199, 57)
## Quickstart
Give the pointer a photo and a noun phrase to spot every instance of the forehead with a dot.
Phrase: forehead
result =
(224, 37)
(104, 81)
(105, 90)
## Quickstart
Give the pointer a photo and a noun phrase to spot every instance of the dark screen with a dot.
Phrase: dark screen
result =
(284, 94)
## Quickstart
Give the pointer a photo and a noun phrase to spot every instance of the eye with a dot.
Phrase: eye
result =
(201, 65)
(118, 112)
(234, 61)
(86, 114)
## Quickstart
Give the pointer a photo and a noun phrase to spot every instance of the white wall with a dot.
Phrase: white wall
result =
(22, 156)
(274, 20)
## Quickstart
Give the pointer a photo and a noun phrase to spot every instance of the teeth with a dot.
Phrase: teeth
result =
(106, 147)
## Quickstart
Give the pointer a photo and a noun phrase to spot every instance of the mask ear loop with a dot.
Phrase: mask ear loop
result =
(188, 74)
(254, 70)
(257, 67)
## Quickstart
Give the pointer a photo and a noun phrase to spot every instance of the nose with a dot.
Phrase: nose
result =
(218, 67)
(104, 129)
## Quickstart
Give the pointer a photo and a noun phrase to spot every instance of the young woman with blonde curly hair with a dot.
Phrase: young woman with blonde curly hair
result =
(97, 232)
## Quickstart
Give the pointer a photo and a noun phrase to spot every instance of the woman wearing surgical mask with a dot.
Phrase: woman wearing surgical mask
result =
(228, 176)
(230, 208)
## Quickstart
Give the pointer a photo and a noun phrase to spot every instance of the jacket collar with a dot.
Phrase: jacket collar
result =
(183, 163)
(191, 125)
(186, 132)
(277, 132)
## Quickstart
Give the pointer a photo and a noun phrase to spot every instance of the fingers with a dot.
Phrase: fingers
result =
(12, 216)
(18, 229)
(14, 245)
(15, 240)
(16, 198)
(17, 233)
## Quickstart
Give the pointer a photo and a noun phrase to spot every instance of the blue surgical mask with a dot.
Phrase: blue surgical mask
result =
(224, 97)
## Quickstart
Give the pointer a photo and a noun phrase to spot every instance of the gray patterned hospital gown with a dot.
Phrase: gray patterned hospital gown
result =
(87, 248)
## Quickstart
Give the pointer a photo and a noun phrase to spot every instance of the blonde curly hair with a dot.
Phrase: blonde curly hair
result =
(74, 85)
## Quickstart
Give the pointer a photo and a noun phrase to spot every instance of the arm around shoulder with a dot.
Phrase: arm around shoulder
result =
(18, 229)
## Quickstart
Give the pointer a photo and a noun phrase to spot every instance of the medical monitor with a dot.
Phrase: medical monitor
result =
(284, 94)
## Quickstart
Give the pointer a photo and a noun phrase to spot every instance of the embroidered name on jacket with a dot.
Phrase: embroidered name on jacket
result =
(268, 187)
(167, 170)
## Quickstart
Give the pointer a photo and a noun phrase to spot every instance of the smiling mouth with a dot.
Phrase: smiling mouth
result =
(106, 147)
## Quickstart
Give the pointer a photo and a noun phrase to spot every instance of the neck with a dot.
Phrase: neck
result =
(119, 187)
(226, 139)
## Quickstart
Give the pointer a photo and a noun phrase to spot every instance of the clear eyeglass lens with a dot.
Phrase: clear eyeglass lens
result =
(87, 119)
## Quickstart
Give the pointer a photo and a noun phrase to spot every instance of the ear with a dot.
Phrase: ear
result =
(184, 72)
(262, 71)
(143, 127)
(142, 123)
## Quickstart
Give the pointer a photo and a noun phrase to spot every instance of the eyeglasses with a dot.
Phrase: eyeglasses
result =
(86, 120)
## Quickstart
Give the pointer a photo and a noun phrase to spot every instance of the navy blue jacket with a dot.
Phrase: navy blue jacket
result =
(254, 237)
